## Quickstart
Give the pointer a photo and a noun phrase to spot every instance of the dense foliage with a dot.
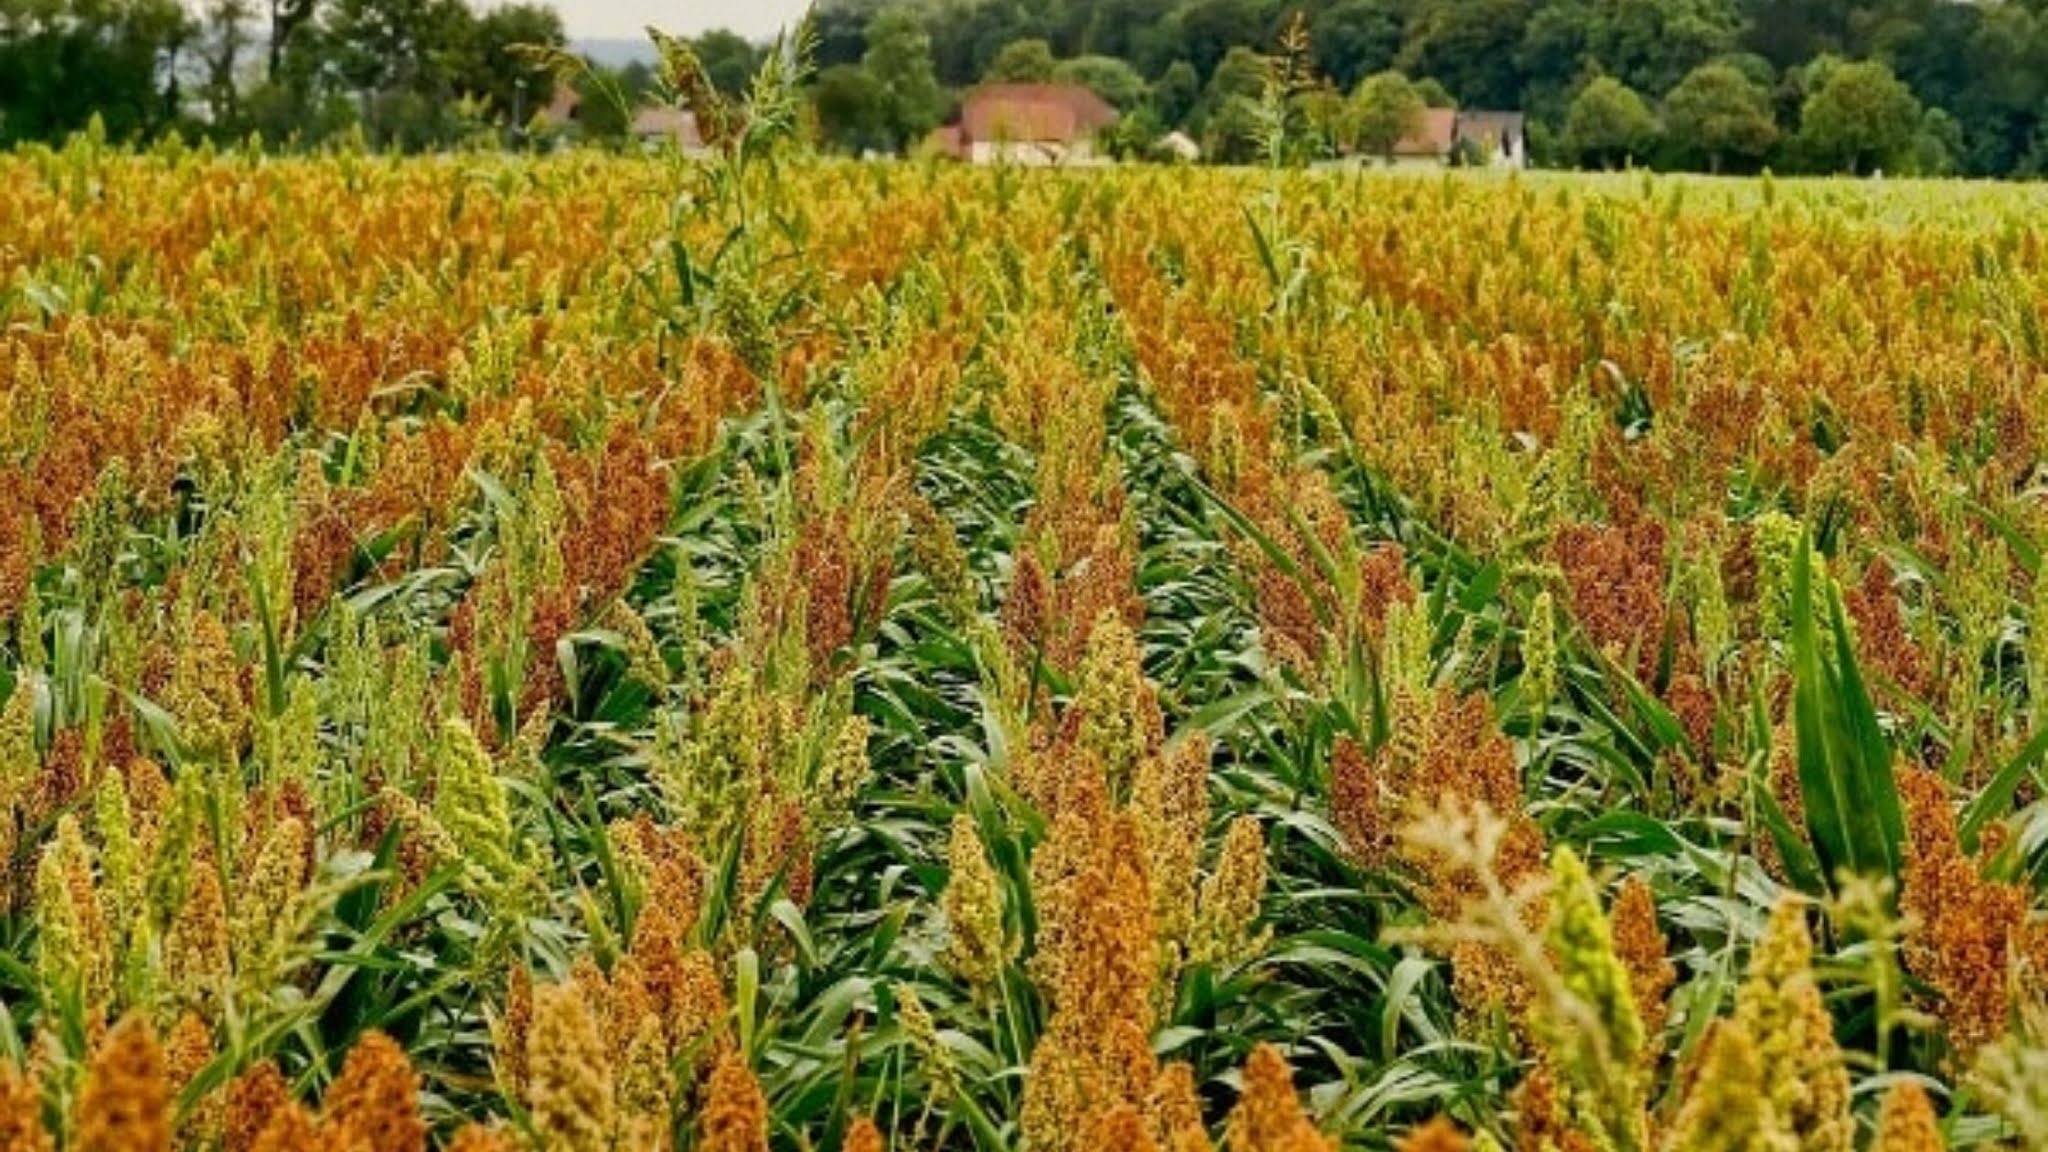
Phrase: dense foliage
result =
(587, 653)
(1926, 87)
(1976, 75)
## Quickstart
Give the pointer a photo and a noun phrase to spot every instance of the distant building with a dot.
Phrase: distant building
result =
(1491, 139)
(661, 125)
(1496, 139)
(1429, 146)
(1177, 146)
(653, 125)
(1035, 125)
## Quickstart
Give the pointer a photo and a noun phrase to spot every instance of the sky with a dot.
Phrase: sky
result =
(754, 19)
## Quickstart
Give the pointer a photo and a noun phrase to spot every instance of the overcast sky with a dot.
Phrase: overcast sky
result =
(755, 19)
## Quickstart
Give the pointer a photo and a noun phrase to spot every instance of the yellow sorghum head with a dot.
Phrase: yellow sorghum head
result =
(923, 1034)
(198, 952)
(125, 1105)
(289, 744)
(1171, 802)
(1268, 1116)
(2013, 1075)
(1539, 654)
(1116, 727)
(1583, 943)
(1781, 1009)
(735, 1114)
(977, 948)
(121, 878)
(1231, 898)
(935, 549)
(645, 1078)
(19, 761)
(1907, 1123)
(205, 693)
(264, 906)
(1597, 1057)
(470, 804)
(569, 1075)
(643, 652)
(1726, 1107)
(74, 952)
(845, 766)
(177, 841)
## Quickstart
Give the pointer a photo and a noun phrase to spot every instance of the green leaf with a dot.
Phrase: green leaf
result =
(1845, 769)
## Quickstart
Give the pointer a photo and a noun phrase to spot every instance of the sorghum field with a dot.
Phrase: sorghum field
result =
(626, 653)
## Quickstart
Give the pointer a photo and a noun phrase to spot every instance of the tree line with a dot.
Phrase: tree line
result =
(1919, 86)
(1911, 86)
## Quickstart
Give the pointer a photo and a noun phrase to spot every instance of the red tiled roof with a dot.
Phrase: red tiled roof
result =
(946, 141)
(1434, 138)
(1033, 113)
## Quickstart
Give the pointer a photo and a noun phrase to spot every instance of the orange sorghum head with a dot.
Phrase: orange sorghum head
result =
(375, 1101)
(125, 1105)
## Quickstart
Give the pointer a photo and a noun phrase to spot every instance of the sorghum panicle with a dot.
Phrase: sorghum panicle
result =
(570, 1091)
(1906, 1122)
(125, 1105)
(977, 946)
(374, 1103)
(1268, 1116)
(1780, 1007)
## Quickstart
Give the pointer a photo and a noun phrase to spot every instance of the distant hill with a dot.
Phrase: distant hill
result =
(614, 53)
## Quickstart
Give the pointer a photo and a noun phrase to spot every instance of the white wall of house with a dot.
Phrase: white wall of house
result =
(1031, 155)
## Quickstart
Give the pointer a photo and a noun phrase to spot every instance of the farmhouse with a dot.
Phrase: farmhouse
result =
(1035, 125)
(653, 125)
(1496, 139)
(1492, 139)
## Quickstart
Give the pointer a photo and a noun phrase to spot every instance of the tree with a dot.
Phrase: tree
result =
(1651, 45)
(512, 85)
(1860, 117)
(899, 62)
(1108, 77)
(1355, 38)
(1716, 113)
(1937, 145)
(1022, 62)
(1243, 74)
(224, 36)
(851, 109)
(1209, 30)
(1608, 123)
(729, 60)
(1385, 110)
(286, 18)
(1434, 94)
(64, 61)
(1471, 46)
(1177, 93)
